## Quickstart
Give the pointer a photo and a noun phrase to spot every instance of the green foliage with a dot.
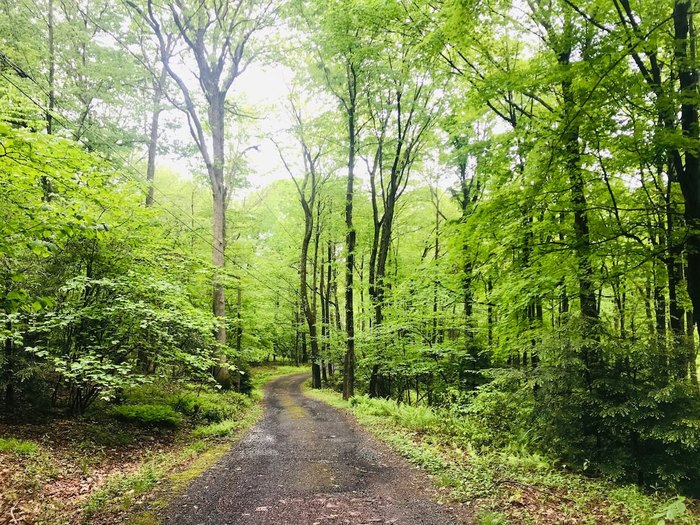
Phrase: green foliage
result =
(212, 407)
(19, 447)
(499, 412)
(199, 403)
(674, 511)
(416, 417)
(219, 429)
(121, 489)
(147, 415)
(491, 518)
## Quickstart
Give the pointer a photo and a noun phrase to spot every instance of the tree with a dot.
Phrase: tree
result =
(308, 189)
(216, 35)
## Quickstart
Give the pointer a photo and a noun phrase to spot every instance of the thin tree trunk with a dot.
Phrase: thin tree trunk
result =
(153, 138)
(52, 70)
(349, 375)
(308, 307)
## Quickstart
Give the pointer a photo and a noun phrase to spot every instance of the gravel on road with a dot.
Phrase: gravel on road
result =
(306, 463)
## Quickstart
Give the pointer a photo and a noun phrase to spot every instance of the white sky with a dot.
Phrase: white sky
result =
(263, 91)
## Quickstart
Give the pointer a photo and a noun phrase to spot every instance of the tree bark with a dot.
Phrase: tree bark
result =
(350, 239)
(689, 172)
(52, 70)
(158, 86)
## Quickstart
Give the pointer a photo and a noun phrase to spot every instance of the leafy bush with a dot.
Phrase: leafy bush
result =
(196, 402)
(147, 415)
(246, 381)
(498, 412)
(209, 406)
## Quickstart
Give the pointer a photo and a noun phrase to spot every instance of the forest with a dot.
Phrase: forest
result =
(479, 219)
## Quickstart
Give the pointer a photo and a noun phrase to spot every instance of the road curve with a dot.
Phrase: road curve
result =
(305, 463)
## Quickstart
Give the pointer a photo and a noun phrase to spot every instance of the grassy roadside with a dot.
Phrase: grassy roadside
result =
(122, 463)
(160, 480)
(509, 486)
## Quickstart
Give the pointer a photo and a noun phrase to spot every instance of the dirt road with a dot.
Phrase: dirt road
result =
(305, 463)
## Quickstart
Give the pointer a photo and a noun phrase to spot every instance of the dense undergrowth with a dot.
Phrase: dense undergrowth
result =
(504, 482)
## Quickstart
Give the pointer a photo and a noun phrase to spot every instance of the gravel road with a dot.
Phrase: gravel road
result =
(305, 463)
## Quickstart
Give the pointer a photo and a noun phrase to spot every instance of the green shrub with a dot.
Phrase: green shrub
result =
(146, 394)
(196, 402)
(147, 415)
(210, 406)
(246, 382)
(19, 447)
(413, 417)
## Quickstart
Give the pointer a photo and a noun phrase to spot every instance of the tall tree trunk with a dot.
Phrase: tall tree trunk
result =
(582, 236)
(324, 306)
(221, 371)
(489, 311)
(362, 294)
(349, 376)
(308, 307)
(304, 348)
(153, 137)
(8, 372)
(52, 70)
(688, 166)
(219, 51)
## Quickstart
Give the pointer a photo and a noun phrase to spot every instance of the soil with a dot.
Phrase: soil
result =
(77, 457)
(306, 463)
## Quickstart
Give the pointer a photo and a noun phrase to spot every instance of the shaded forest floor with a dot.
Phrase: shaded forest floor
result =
(511, 486)
(97, 468)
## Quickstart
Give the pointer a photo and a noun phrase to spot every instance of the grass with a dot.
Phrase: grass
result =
(148, 415)
(28, 466)
(19, 447)
(220, 429)
(202, 457)
(173, 469)
(506, 485)
(120, 490)
(491, 518)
